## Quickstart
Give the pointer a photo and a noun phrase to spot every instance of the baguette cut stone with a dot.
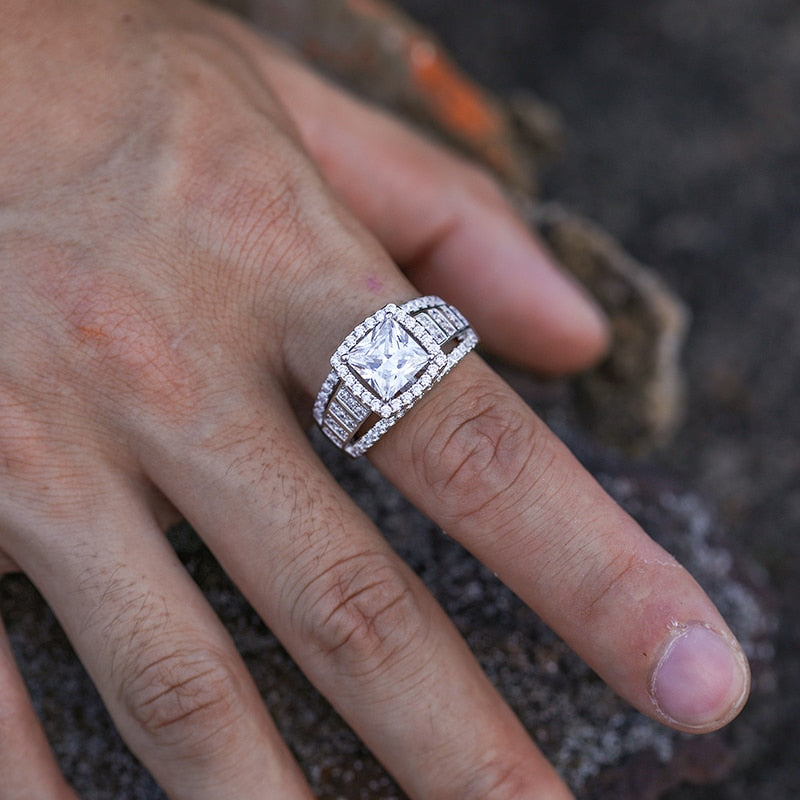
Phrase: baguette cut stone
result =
(388, 359)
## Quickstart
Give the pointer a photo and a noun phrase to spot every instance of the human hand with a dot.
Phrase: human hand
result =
(175, 275)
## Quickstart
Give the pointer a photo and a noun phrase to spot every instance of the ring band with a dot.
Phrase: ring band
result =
(385, 365)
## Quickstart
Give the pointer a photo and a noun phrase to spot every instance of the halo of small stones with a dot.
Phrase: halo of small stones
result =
(360, 446)
(436, 364)
(454, 326)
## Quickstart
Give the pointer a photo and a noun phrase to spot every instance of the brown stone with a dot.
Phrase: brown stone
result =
(635, 398)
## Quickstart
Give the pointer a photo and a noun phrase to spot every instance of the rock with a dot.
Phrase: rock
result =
(635, 398)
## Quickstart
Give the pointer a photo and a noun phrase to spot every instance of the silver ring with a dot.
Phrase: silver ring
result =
(385, 365)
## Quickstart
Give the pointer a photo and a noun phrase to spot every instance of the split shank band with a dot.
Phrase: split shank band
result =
(385, 365)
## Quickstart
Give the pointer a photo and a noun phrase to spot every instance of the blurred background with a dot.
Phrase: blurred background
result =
(683, 122)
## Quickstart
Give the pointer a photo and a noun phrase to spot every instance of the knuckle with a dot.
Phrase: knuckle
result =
(498, 778)
(262, 208)
(270, 224)
(361, 613)
(604, 579)
(249, 212)
(482, 187)
(481, 454)
(184, 698)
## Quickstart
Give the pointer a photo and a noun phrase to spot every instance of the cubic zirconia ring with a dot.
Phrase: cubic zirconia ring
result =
(385, 365)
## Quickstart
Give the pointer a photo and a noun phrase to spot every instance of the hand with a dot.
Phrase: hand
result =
(190, 223)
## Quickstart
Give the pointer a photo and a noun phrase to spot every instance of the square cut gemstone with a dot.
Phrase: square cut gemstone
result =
(388, 359)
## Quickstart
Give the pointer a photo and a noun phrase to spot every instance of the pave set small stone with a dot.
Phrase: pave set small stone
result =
(385, 365)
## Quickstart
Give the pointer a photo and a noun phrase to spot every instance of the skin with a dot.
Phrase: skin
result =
(190, 222)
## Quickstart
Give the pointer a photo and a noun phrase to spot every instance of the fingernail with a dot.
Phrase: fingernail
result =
(702, 680)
